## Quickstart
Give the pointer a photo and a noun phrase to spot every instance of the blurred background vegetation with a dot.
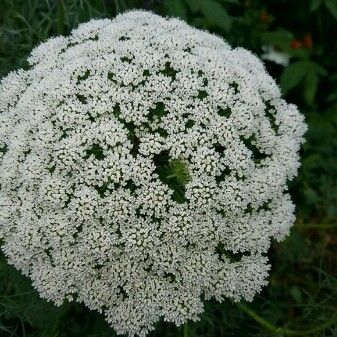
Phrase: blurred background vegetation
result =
(301, 36)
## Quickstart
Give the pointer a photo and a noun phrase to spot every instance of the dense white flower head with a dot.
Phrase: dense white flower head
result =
(143, 169)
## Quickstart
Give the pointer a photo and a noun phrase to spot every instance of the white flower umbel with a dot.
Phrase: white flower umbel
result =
(144, 168)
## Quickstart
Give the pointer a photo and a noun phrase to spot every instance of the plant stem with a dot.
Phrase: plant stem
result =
(60, 17)
(62, 311)
(283, 331)
(117, 6)
(186, 330)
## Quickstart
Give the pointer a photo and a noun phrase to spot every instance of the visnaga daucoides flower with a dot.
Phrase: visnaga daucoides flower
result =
(144, 168)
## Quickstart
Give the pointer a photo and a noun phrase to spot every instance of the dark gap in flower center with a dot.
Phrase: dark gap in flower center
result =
(225, 254)
(170, 277)
(109, 185)
(224, 174)
(224, 112)
(234, 86)
(202, 94)
(116, 110)
(158, 112)
(91, 118)
(83, 77)
(148, 267)
(48, 252)
(111, 77)
(131, 128)
(102, 189)
(204, 80)
(219, 148)
(270, 113)
(26, 152)
(257, 154)
(51, 169)
(131, 186)
(162, 132)
(126, 59)
(189, 124)
(98, 266)
(94, 38)
(121, 291)
(4, 148)
(264, 207)
(124, 38)
(96, 150)
(69, 197)
(81, 98)
(169, 71)
(64, 134)
(79, 229)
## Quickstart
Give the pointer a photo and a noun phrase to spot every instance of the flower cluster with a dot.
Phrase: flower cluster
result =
(143, 168)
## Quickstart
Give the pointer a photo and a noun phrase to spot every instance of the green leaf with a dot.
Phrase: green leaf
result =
(236, 2)
(310, 86)
(310, 195)
(280, 38)
(301, 53)
(318, 69)
(332, 97)
(311, 81)
(176, 8)
(293, 75)
(331, 5)
(315, 4)
(306, 71)
(296, 294)
(214, 13)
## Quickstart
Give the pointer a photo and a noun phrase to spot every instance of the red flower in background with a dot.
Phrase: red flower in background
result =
(307, 41)
(295, 44)
(264, 17)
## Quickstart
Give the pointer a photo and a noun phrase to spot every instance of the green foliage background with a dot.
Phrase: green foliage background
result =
(301, 299)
